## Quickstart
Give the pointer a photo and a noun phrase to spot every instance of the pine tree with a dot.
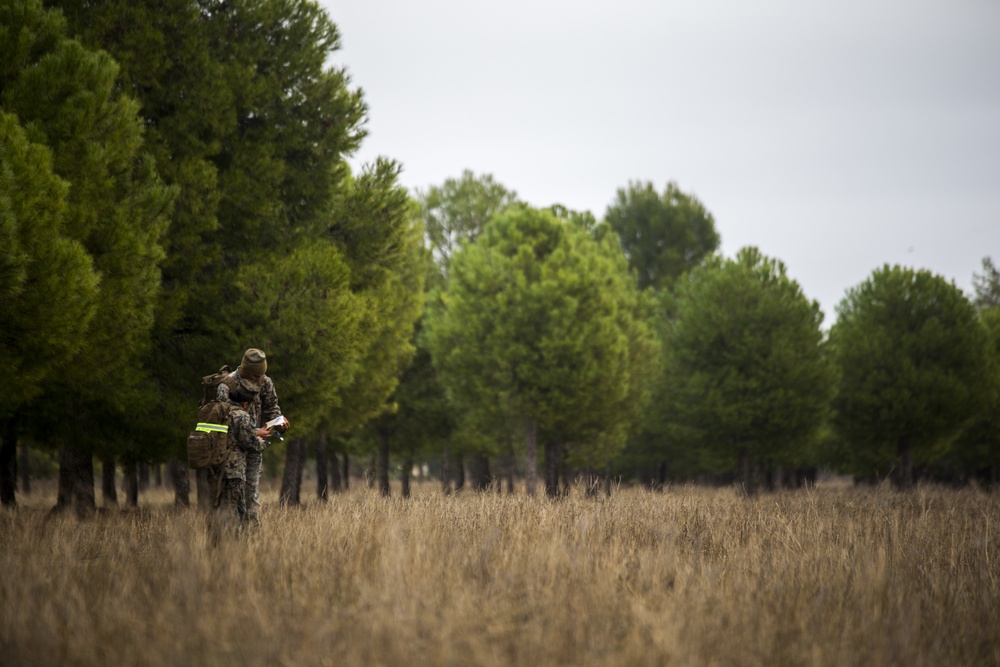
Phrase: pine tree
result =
(662, 235)
(746, 383)
(530, 337)
(373, 227)
(975, 455)
(116, 209)
(248, 120)
(456, 212)
(912, 358)
(48, 287)
(374, 220)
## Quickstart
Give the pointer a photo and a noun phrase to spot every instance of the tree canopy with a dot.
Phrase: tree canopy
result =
(272, 242)
(534, 331)
(48, 279)
(662, 235)
(252, 124)
(457, 211)
(911, 355)
(116, 205)
(976, 452)
(746, 382)
(987, 285)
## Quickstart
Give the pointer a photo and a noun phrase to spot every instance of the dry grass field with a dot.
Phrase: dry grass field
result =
(830, 576)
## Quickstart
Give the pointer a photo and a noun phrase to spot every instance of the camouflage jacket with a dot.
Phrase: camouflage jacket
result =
(265, 404)
(242, 439)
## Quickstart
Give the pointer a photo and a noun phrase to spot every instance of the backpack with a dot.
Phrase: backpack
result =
(210, 383)
(208, 443)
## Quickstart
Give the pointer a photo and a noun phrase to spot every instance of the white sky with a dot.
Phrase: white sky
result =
(835, 136)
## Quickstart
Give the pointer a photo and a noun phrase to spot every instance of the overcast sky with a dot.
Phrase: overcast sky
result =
(835, 136)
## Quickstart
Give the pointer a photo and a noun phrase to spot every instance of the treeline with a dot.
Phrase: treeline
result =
(695, 367)
(174, 188)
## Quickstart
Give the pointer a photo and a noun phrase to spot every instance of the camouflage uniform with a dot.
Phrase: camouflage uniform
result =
(263, 409)
(230, 476)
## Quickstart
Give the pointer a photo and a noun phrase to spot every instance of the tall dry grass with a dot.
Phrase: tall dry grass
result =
(688, 577)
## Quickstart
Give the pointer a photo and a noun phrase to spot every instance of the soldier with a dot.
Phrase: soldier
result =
(231, 474)
(251, 375)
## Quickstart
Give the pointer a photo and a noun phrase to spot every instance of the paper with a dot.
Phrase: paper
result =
(278, 422)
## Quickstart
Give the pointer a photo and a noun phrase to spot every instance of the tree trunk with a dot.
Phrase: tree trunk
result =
(300, 468)
(130, 473)
(551, 469)
(76, 481)
(64, 488)
(781, 478)
(563, 470)
(446, 469)
(322, 489)
(370, 472)
(459, 473)
(8, 464)
(335, 483)
(158, 475)
(407, 469)
(109, 492)
(382, 465)
(747, 479)
(661, 476)
(510, 465)
(291, 480)
(206, 494)
(479, 468)
(25, 469)
(347, 472)
(531, 459)
(181, 481)
(904, 473)
(143, 470)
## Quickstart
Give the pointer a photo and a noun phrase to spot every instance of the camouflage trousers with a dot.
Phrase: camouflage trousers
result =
(255, 461)
(229, 513)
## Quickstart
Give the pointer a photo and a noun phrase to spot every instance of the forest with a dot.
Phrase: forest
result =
(175, 188)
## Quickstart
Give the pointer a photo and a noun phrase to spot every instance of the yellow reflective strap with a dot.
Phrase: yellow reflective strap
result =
(209, 428)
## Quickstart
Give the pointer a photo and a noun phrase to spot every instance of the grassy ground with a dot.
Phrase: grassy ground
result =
(831, 576)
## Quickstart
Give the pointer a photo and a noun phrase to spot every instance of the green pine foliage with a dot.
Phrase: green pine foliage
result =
(987, 285)
(68, 98)
(456, 212)
(745, 375)
(49, 286)
(976, 453)
(662, 235)
(422, 418)
(174, 188)
(534, 332)
(375, 222)
(300, 308)
(295, 120)
(247, 119)
(912, 359)
(163, 49)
